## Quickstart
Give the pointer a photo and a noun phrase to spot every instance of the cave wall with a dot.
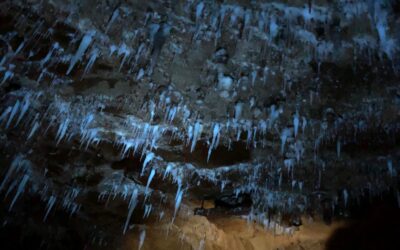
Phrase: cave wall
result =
(117, 116)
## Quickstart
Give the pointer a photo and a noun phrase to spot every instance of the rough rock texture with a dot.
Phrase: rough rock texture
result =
(117, 116)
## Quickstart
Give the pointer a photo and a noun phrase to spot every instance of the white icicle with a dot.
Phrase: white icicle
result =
(199, 11)
(13, 112)
(253, 77)
(50, 204)
(198, 128)
(345, 197)
(140, 75)
(167, 170)
(215, 140)
(123, 50)
(24, 108)
(62, 130)
(8, 75)
(178, 198)
(33, 130)
(303, 126)
(49, 54)
(5, 113)
(151, 176)
(86, 40)
(147, 211)
(93, 56)
(147, 160)
(131, 207)
(299, 150)
(142, 237)
(390, 167)
(113, 18)
(20, 189)
(284, 135)
(296, 122)
(112, 48)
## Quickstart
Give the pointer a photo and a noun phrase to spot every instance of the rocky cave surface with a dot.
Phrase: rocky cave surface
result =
(229, 124)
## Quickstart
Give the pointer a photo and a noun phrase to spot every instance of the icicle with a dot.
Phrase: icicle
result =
(8, 75)
(147, 160)
(168, 170)
(253, 77)
(55, 46)
(171, 114)
(123, 49)
(151, 176)
(140, 75)
(284, 135)
(345, 197)
(20, 47)
(20, 189)
(273, 28)
(299, 150)
(93, 56)
(131, 207)
(62, 131)
(161, 215)
(199, 11)
(113, 18)
(13, 112)
(274, 114)
(24, 108)
(153, 30)
(390, 168)
(338, 148)
(303, 127)
(112, 48)
(86, 40)
(139, 52)
(178, 198)
(196, 134)
(142, 238)
(296, 122)
(249, 133)
(289, 163)
(5, 113)
(50, 204)
(33, 130)
(265, 75)
(215, 140)
(147, 211)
